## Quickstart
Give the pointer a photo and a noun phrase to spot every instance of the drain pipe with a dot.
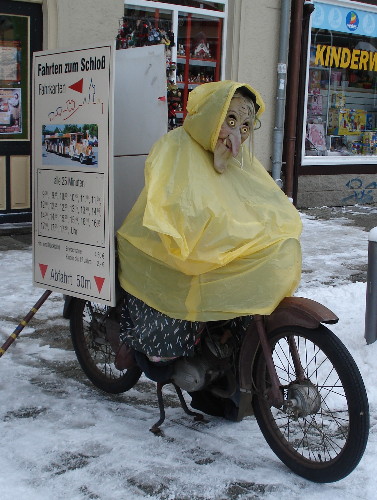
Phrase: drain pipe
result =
(301, 11)
(278, 133)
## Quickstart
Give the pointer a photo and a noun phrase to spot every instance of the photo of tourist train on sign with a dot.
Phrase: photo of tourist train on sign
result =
(63, 143)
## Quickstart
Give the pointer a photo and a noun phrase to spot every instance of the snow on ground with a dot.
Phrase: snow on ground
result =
(64, 439)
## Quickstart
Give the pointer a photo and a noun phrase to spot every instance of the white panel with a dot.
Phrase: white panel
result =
(3, 186)
(20, 182)
(128, 183)
(140, 117)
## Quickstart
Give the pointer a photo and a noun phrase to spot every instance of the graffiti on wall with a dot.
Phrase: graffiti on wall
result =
(360, 193)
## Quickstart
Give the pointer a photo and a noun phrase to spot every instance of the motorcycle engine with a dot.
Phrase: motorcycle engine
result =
(193, 374)
(202, 370)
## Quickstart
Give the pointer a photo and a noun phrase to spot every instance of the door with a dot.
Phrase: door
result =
(20, 36)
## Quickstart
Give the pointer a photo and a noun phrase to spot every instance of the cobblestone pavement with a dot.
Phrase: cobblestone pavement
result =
(84, 420)
(363, 216)
(353, 268)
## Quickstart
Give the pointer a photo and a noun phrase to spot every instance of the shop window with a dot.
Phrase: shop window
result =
(341, 101)
(198, 54)
(192, 32)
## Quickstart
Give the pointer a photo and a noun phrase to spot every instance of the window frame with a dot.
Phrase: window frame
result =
(335, 161)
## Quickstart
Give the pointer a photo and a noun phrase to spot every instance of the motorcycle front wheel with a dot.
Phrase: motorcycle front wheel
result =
(321, 431)
(94, 352)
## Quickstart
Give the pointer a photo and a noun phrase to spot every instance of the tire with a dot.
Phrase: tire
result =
(94, 352)
(81, 158)
(325, 441)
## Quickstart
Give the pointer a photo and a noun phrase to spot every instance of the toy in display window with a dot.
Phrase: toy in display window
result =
(316, 137)
(199, 51)
(315, 105)
(338, 100)
(170, 64)
(315, 79)
(338, 145)
(140, 32)
(143, 34)
(201, 47)
(197, 57)
(181, 50)
(369, 141)
(336, 78)
(174, 104)
(369, 125)
(346, 121)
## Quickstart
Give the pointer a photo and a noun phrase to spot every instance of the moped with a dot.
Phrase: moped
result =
(288, 370)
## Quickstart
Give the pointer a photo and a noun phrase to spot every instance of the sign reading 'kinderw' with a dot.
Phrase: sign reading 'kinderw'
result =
(73, 237)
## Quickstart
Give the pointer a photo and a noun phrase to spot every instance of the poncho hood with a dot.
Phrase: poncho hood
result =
(207, 107)
(204, 246)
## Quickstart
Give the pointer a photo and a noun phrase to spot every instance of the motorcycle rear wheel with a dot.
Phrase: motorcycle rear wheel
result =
(325, 443)
(94, 352)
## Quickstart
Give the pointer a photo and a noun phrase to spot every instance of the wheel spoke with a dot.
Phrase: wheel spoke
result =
(318, 437)
(94, 353)
(100, 350)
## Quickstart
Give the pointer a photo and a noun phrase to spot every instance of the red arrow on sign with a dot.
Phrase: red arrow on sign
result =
(99, 282)
(77, 86)
(43, 268)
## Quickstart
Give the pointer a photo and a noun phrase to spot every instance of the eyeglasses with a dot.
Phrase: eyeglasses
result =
(257, 124)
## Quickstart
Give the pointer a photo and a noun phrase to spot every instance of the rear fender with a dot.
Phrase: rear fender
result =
(299, 311)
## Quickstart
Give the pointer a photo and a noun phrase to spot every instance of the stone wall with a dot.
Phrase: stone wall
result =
(80, 23)
(336, 190)
(253, 38)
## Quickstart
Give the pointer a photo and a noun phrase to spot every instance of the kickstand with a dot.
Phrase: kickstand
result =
(197, 416)
(156, 427)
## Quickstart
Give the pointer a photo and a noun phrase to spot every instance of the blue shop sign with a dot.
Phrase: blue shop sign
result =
(334, 17)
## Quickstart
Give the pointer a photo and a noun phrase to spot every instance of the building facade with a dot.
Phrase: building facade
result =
(313, 63)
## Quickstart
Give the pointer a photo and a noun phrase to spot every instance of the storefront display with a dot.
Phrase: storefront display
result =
(341, 101)
(193, 35)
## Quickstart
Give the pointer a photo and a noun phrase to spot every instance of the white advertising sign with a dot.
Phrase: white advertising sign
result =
(73, 235)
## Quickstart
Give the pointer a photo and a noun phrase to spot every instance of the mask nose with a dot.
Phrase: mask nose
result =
(235, 140)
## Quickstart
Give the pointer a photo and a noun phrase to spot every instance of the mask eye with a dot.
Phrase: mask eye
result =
(245, 129)
(231, 122)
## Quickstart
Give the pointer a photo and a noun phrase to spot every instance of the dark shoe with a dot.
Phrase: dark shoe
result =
(124, 358)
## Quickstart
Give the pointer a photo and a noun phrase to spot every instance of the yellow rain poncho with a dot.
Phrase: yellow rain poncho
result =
(203, 246)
